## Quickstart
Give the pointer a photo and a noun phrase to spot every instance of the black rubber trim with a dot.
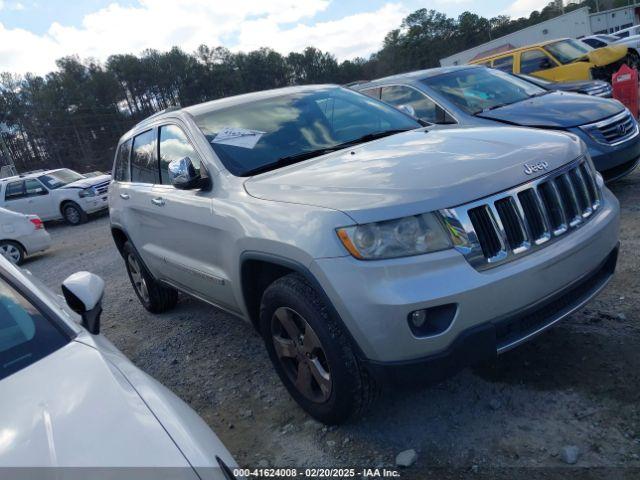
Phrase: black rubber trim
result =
(309, 277)
(471, 346)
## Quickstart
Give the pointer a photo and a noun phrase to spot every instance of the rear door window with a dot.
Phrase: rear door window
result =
(122, 171)
(26, 335)
(144, 162)
(14, 190)
(504, 63)
(174, 145)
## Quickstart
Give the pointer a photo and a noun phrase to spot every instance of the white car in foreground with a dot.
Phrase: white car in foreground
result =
(70, 399)
(21, 235)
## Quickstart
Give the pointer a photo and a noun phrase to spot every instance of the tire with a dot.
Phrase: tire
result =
(322, 350)
(153, 296)
(73, 213)
(12, 251)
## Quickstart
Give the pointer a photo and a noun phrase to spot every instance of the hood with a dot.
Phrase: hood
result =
(555, 110)
(89, 182)
(75, 409)
(417, 171)
(606, 55)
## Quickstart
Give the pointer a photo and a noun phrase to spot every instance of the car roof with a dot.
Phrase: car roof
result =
(415, 75)
(519, 49)
(32, 174)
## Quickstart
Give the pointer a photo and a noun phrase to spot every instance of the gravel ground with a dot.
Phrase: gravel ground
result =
(577, 385)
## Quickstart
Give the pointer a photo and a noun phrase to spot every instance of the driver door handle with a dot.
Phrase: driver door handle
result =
(159, 201)
(124, 196)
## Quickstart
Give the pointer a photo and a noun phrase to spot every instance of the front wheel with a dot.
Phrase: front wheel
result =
(311, 354)
(154, 296)
(12, 251)
(73, 213)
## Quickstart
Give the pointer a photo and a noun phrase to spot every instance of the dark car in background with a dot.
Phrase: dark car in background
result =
(475, 96)
(597, 88)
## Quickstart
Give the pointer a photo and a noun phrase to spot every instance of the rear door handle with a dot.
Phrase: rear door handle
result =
(124, 196)
(159, 201)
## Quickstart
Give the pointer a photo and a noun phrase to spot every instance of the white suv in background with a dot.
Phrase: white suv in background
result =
(55, 194)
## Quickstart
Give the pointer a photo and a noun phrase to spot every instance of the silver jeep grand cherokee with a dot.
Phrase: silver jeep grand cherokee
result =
(361, 244)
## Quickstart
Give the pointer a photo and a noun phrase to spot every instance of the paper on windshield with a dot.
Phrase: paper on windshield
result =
(238, 137)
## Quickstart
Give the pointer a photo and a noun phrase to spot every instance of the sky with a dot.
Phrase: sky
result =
(34, 33)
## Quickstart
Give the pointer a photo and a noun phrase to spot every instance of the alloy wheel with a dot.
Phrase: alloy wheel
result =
(301, 354)
(72, 215)
(10, 252)
(137, 278)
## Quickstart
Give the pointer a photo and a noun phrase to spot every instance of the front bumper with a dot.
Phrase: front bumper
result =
(375, 298)
(612, 162)
(95, 204)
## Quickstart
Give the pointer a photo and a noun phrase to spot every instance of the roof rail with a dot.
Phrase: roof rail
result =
(166, 110)
(355, 82)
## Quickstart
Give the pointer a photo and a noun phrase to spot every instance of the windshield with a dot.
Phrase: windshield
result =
(257, 135)
(26, 335)
(567, 51)
(60, 178)
(478, 89)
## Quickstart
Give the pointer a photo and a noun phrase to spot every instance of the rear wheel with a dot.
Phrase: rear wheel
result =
(311, 353)
(154, 296)
(73, 213)
(12, 251)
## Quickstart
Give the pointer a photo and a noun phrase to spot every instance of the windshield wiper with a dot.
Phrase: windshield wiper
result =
(307, 154)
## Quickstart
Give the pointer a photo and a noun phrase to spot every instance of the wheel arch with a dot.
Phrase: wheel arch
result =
(17, 242)
(258, 270)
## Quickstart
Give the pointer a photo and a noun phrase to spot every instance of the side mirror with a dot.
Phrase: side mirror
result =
(408, 109)
(183, 174)
(83, 292)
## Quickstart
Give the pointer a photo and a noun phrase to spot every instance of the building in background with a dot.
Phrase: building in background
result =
(574, 24)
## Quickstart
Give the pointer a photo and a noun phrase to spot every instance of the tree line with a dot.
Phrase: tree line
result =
(74, 116)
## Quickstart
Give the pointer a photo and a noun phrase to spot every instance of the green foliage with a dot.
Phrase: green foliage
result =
(74, 116)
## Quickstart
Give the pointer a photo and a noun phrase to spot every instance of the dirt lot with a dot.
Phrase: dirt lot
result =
(579, 384)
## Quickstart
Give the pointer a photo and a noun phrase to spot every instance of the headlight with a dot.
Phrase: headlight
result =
(395, 238)
(87, 192)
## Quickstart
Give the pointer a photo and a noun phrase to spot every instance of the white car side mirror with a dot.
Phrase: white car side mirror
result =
(83, 292)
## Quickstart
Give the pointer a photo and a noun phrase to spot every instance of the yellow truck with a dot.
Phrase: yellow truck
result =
(563, 60)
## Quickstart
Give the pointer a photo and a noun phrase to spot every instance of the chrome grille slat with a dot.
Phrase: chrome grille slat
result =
(507, 225)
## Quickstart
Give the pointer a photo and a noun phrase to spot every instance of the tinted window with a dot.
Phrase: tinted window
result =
(594, 42)
(34, 188)
(372, 92)
(268, 129)
(14, 190)
(60, 178)
(505, 64)
(174, 145)
(477, 89)
(622, 34)
(26, 335)
(122, 172)
(399, 95)
(534, 60)
(144, 165)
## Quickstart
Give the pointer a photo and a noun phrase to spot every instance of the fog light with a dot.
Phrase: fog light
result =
(432, 320)
(418, 318)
